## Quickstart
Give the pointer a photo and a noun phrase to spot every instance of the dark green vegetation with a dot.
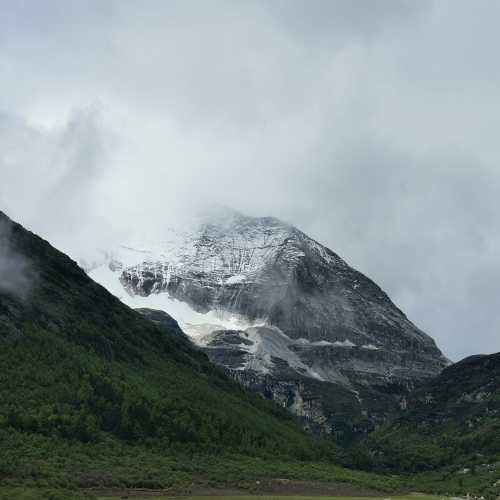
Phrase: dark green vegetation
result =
(294, 497)
(449, 433)
(79, 365)
(36, 461)
(454, 418)
(93, 395)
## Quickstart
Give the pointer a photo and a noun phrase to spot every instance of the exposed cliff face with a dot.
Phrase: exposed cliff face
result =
(262, 298)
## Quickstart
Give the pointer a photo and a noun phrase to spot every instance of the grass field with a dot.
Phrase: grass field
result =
(286, 497)
(37, 494)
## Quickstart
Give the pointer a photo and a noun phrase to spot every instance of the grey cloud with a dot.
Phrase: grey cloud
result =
(427, 230)
(371, 125)
(49, 175)
(343, 18)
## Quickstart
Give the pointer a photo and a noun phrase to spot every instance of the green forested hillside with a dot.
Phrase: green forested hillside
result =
(80, 369)
(93, 395)
(452, 420)
(78, 364)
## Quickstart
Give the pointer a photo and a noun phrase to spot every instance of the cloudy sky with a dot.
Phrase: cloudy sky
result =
(371, 125)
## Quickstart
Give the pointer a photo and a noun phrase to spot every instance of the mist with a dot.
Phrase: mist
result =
(15, 276)
(370, 126)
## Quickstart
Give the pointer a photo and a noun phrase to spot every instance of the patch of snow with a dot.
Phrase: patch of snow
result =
(268, 342)
(326, 254)
(322, 342)
(302, 341)
(358, 397)
(238, 278)
(305, 342)
(193, 323)
(344, 343)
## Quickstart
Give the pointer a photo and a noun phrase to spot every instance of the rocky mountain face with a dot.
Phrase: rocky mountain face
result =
(283, 314)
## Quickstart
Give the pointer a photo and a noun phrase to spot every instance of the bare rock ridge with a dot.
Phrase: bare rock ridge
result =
(283, 314)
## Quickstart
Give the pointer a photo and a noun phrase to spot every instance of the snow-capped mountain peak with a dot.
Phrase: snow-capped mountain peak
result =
(261, 297)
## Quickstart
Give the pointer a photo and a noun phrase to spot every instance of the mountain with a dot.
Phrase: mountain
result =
(80, 367)
(282, 313)
(451, 420)
(446, 436)
(95, 394)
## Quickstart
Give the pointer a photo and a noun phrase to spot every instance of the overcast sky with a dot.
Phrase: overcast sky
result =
(374, 126)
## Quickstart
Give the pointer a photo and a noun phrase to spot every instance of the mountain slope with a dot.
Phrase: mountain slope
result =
(452, 419)
(283, 314)
(78, 364)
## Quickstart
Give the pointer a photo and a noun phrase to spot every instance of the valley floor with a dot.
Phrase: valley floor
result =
(279, 497)
(37, 494)
(35, 467)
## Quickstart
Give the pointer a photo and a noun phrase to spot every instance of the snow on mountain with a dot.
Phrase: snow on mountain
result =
(263, 298)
